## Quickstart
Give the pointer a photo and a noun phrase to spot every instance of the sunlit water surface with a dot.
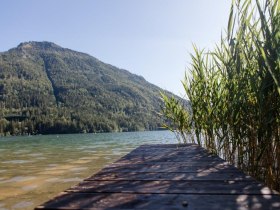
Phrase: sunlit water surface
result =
(33, 169)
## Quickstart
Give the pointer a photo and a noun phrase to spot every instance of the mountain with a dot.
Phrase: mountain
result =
(45, 89)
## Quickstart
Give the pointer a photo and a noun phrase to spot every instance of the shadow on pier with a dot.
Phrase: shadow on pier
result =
(168, 177)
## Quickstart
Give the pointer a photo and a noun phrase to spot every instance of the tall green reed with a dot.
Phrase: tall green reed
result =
(234, 92)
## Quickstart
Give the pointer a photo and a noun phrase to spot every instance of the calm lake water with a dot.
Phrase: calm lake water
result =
(33, 169)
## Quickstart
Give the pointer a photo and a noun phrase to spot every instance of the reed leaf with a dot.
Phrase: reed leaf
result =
(234, 93)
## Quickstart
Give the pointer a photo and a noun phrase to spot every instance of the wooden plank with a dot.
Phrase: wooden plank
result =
(167, 158)
(153, 160)
(134, 160)
(174, 186)
(205, 162)
(190, 146)
(129, 201)
(131, 176)
(170, 152)
(169, 168)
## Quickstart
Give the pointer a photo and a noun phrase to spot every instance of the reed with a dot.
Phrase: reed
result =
(234, 92)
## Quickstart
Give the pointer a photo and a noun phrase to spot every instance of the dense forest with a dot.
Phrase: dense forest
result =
(46, 89)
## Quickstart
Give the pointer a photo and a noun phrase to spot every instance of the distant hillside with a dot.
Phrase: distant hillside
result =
(45, 88)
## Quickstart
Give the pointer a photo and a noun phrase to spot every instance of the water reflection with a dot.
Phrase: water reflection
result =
(18, 179)
(22, 204)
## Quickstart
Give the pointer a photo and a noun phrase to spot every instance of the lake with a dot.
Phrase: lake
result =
(33, 169)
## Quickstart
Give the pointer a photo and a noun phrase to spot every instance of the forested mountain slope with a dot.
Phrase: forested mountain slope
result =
(45, 88)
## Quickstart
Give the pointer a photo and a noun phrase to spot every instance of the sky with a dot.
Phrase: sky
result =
(151, 38)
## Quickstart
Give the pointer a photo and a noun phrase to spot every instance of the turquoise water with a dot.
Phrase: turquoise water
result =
(33, 169)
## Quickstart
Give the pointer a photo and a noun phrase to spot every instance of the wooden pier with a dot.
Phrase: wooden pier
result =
(167, 177)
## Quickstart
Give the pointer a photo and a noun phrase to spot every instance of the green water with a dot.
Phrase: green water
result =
(33, 169)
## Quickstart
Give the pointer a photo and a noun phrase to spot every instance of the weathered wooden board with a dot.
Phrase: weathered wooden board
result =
(130, 201)
(179, 164)
(170, 168)
(168, 177)
(144, 159)
(167, 158)
(154, 160)
(131, 176)
(174, 186)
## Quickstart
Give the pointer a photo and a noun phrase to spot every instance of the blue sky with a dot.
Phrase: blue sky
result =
(151, 38)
